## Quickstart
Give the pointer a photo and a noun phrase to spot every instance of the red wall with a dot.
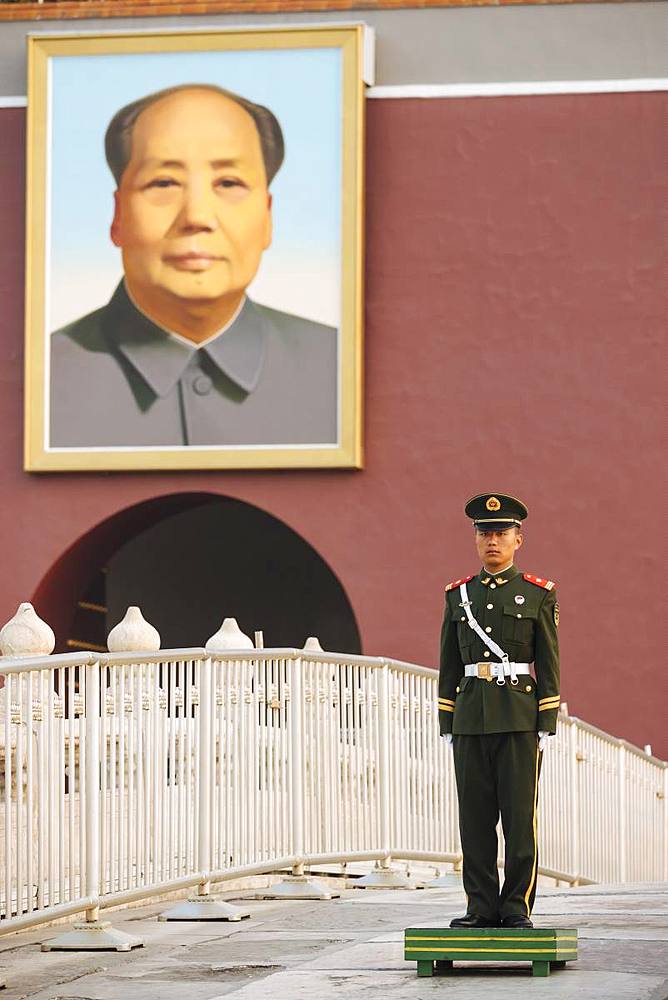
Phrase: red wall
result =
(516, 304)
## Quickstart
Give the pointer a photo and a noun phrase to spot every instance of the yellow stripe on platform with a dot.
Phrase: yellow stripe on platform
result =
(504, 951)
(470, 937)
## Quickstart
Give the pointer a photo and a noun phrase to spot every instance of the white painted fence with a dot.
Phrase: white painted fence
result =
(127, 775)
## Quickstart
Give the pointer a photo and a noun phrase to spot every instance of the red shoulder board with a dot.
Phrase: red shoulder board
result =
(458, 583)
(539, 581)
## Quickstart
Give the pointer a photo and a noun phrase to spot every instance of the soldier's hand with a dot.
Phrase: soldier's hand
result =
(542, 739)
(448, 739)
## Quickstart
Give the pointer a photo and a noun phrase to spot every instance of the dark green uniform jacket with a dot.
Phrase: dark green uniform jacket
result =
(520, 613)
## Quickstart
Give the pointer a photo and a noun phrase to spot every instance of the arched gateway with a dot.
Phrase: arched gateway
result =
(189, 560)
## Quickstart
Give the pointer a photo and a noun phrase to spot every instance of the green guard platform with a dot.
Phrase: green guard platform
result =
(545, 948)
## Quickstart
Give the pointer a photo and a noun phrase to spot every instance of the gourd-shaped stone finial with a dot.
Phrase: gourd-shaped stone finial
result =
(26, 634)
(228, 636)
(133, 634)
(313, 643)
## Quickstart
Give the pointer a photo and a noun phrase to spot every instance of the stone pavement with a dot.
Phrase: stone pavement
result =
(350, 948)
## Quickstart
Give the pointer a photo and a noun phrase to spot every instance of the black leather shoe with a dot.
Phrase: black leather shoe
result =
(516, 920)
(473, 920)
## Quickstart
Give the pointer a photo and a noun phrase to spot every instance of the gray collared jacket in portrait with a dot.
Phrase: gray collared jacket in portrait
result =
(118, 380)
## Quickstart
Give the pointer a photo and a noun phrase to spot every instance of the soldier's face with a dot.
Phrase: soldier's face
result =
(192, 212)
(496, 549)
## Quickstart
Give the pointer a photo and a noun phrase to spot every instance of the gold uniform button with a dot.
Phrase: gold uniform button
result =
(489, 680)
(492, 586)
(463, 618)
(488, 629)
(489, 607)
(519, 616)
(527, 688)
(486, 653)
(457, 690)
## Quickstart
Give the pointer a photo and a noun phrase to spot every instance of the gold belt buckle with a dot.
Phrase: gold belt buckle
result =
(484, 671)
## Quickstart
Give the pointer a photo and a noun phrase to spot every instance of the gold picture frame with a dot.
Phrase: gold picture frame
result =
(79, 413)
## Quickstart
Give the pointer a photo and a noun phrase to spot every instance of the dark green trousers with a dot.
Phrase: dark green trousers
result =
(497, 774)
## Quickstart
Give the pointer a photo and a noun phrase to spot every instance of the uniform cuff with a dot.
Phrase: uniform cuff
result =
(547, 720)
(446, 711)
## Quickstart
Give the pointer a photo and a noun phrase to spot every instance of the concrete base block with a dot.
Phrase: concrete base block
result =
(384, 878)
(97, 935)
(298, 887)
(448, 881)
(204, 908)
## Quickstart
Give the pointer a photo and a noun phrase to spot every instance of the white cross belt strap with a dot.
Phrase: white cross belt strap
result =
(491, 645)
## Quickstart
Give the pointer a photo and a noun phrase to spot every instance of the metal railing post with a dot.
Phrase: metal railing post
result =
(297, 763)
(386, 875)
(665, 823)
(92, 934)
(574, 790)
(623, 818)
(204, 777)
(203, 906)
(384, 761)
(298, 885)
(92, 787)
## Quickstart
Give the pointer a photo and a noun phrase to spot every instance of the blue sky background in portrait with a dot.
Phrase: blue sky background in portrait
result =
(301, 270)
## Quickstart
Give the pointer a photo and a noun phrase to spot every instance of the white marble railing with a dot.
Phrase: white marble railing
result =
(125, 775)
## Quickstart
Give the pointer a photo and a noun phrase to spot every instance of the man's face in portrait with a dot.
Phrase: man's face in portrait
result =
(193, 211)
(496, 549)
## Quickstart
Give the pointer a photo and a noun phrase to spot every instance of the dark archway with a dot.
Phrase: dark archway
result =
(189, 560)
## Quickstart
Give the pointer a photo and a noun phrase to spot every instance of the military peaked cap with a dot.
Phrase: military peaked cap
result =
(495, 511)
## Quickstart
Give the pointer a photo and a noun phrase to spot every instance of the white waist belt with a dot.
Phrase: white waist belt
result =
(486, 670)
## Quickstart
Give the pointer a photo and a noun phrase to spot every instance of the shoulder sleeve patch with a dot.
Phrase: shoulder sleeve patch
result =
(539, 581)
(458, 583)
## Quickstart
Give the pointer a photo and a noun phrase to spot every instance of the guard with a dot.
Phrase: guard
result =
(498, 702)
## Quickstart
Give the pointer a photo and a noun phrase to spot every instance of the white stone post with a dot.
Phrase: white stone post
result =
(203, 906)
(93, 934)
(133, 634)
(23, 635)
(228, 636)
(26, 634)
(313, 643)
